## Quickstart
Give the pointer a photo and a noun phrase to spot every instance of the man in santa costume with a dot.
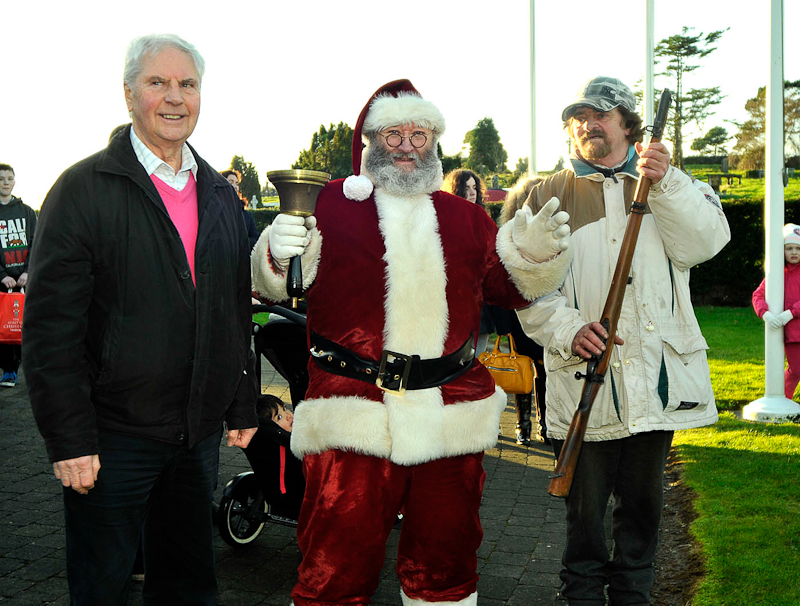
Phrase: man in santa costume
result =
(397, 413)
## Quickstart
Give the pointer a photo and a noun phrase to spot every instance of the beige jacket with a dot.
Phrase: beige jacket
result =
(659, 379)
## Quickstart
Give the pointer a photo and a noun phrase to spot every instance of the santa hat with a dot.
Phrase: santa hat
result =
(791, 234)
(394, 103)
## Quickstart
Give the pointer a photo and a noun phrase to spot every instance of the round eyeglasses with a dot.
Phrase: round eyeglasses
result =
(395, 139)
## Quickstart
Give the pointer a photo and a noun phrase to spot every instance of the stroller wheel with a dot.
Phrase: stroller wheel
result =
(242, 511)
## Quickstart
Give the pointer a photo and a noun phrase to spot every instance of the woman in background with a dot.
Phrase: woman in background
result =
(469, 185)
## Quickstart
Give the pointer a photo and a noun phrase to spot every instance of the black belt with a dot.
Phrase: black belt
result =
(394, 372)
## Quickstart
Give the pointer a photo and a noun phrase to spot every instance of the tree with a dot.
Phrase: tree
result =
(683, 53)
(449, 162)
(486, 152)
(714, 138)
(521, 169)
(250, 185)
(330, 151)
(750, 140)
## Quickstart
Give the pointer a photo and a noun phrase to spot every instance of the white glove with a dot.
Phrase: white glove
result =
(785, 316)
(770, 319)
(288, 237)
(540, 238)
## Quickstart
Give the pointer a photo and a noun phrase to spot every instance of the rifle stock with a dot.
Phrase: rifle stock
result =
(561, 480)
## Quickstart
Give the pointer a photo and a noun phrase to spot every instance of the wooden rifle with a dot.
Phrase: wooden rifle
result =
(596, 367)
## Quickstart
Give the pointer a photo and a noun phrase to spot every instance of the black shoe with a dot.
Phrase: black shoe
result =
(523, 434)
(542, 437)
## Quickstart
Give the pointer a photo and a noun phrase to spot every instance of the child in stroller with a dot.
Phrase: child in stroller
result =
(279, 472)
(273, 490)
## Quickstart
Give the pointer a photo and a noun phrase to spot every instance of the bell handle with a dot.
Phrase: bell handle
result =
(294, 280)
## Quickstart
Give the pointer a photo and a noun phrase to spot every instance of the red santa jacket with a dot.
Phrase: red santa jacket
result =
(408, 275)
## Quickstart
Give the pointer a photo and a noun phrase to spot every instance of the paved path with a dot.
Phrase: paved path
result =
(518, 560)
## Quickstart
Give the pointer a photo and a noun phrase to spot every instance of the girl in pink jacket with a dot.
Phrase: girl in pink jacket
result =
(791, 303)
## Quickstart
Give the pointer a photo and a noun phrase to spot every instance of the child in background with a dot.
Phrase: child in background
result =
(791, 303)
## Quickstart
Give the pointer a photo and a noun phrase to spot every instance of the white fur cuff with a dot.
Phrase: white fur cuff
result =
(470, 600)
(272, 285)
(531, 279)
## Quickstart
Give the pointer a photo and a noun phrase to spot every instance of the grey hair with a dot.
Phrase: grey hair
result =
(152, 44)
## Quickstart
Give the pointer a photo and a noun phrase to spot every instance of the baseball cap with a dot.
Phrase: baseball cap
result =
(603, 94)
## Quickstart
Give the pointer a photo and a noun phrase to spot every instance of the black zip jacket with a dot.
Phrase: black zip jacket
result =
(17, 224)
(116, 336)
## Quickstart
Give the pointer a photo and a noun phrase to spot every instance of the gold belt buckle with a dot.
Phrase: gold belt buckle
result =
(382, 370)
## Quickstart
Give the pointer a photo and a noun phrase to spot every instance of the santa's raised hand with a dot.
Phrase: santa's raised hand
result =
(542, 236)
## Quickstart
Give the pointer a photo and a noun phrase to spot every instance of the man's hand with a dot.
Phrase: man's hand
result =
(23, 279)
(653, 160)
(785, 316)
(241, 437)
(588, 340)
(80, 473)
(9, 282)
(288, 237)
(540, 238)
(770, 319)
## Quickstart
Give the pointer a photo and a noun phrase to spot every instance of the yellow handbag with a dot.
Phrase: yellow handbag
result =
(512, 372)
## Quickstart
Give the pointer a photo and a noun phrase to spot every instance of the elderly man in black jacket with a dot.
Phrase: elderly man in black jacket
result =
(137, 340)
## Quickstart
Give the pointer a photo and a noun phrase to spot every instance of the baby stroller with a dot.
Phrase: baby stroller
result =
(273, 490)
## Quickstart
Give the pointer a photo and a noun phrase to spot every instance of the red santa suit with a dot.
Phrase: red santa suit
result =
(407, 274)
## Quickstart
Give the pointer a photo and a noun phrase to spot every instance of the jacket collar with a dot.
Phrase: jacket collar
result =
(120, 159)
(582, 168)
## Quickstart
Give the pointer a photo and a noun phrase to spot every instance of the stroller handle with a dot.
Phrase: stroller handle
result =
(285, 312)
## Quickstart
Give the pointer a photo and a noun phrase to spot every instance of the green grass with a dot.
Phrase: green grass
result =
(735, 339)
(750, 189)
(746, 476)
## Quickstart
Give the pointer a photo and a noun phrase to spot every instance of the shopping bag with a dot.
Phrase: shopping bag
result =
(512, 372)
(11, 307)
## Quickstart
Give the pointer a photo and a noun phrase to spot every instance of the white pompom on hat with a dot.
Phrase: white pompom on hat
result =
(791, 234)
(397, 102)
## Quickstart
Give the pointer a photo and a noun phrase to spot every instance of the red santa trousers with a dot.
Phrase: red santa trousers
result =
(350, 506)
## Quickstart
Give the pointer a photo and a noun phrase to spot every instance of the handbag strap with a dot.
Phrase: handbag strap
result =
(511, 346)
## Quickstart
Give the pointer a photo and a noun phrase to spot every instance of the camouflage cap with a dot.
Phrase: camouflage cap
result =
(603, 94)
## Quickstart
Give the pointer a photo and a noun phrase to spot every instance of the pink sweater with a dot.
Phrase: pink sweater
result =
(791, 300)
(182, 209)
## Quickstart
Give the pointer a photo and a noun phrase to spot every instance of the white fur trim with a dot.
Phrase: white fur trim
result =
(416, 281)
(470, 600)
(533, 280)
(357, 187)
(408, 430)
(272, 285)
(406, 108)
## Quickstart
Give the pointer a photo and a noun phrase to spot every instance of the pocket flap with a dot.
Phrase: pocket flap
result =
(685, 344)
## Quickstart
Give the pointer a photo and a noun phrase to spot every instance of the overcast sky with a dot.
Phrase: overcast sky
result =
(276, 70)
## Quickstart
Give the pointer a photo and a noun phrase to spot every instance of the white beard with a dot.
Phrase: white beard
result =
(379, 167)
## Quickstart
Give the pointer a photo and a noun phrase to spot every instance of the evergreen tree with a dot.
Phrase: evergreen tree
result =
(330, 151)
(250, 185)
(486, 152)
(751, 138)
(714, 138)
(683, 53)
(449, 163)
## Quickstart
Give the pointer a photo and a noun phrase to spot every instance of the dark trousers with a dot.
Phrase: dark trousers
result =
(165, 489)
(10, 356)
(632, 469)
